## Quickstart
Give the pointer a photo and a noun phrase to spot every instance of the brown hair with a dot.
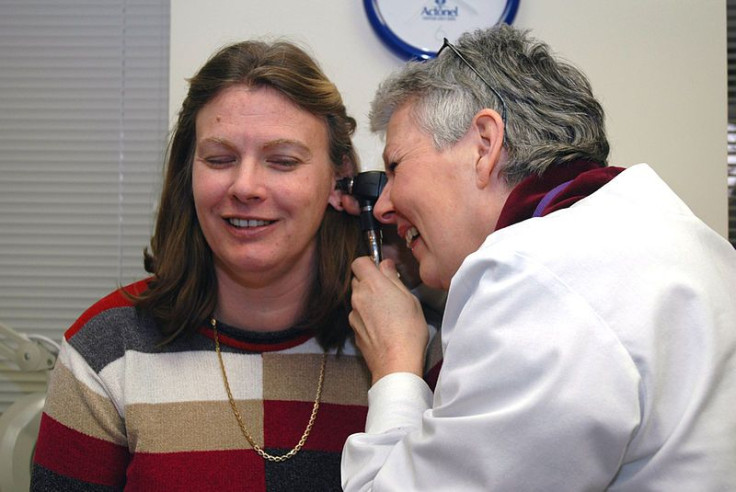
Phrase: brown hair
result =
(183, 291)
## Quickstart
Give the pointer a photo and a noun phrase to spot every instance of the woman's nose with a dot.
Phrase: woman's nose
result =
(248, 182)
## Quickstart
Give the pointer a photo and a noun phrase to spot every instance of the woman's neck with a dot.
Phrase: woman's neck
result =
(273, 305)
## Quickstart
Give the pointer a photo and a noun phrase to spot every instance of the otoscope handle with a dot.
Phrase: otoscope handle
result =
(367, 221)
(373, 241)
(372, 230)
(367, 187)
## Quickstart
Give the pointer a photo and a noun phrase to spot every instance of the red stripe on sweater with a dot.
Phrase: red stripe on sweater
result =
(197, 470)
(82, 457)
(285, 422)
(113, 300)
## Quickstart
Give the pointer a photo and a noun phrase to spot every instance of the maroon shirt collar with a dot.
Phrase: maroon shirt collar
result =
(584, 179)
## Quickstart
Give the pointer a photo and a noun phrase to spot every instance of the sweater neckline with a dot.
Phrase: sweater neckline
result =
(258, 341)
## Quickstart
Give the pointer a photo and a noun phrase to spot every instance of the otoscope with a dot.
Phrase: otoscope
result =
(367, 187)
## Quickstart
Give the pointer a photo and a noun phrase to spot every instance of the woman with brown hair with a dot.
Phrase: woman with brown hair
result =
(230, 367)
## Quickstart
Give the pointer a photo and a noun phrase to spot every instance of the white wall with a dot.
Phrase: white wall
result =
(658, 67)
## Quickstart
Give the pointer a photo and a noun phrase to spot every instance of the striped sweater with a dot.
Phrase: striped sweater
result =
(123, 413)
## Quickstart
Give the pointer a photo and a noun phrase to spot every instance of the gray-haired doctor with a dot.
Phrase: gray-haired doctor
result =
(589, 335)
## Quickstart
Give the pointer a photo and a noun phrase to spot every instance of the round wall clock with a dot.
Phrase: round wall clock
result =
(415, 28)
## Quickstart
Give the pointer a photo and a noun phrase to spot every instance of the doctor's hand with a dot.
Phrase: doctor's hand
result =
(390, 329)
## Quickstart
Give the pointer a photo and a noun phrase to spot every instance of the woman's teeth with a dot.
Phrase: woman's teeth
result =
(411, 234)
(248, 222)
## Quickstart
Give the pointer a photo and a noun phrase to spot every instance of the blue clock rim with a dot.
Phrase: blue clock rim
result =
(407, 51)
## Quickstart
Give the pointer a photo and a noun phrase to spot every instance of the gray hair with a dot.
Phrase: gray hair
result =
(552, 115)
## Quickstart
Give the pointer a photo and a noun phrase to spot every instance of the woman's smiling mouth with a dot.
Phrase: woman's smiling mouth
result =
(245, 223)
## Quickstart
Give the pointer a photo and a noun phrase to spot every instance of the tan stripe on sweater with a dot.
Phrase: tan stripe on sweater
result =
(192, 426)
(295, 376)
(70, 394)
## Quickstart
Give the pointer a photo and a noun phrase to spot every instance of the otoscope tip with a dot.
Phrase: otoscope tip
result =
(345, 184)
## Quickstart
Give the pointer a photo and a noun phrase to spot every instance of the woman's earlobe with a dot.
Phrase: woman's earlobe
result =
(336, 200)
(344, 202)
(349, 204)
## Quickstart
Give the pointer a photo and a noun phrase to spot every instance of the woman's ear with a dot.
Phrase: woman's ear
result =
(489, 129)
(344, 202)
(339, 199)
(336, 197)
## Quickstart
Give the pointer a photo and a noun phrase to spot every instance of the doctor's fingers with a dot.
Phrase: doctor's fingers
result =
(370, 281)
(373, 294)
(363, 268)
(390, 271)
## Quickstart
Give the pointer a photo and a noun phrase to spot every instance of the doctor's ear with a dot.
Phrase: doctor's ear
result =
(490, 131)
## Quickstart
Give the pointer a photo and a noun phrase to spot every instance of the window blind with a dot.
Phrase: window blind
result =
(83, 129)
(731, 36)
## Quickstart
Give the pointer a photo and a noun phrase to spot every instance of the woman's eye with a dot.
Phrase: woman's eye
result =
(285, 162)
(219, 160)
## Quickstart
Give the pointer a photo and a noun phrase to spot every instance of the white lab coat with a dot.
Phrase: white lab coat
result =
(590, 349)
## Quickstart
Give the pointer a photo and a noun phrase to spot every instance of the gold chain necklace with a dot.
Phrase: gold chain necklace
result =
(263, 454)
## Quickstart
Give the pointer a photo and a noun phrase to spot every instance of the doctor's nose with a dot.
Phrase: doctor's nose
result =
(384, 208)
